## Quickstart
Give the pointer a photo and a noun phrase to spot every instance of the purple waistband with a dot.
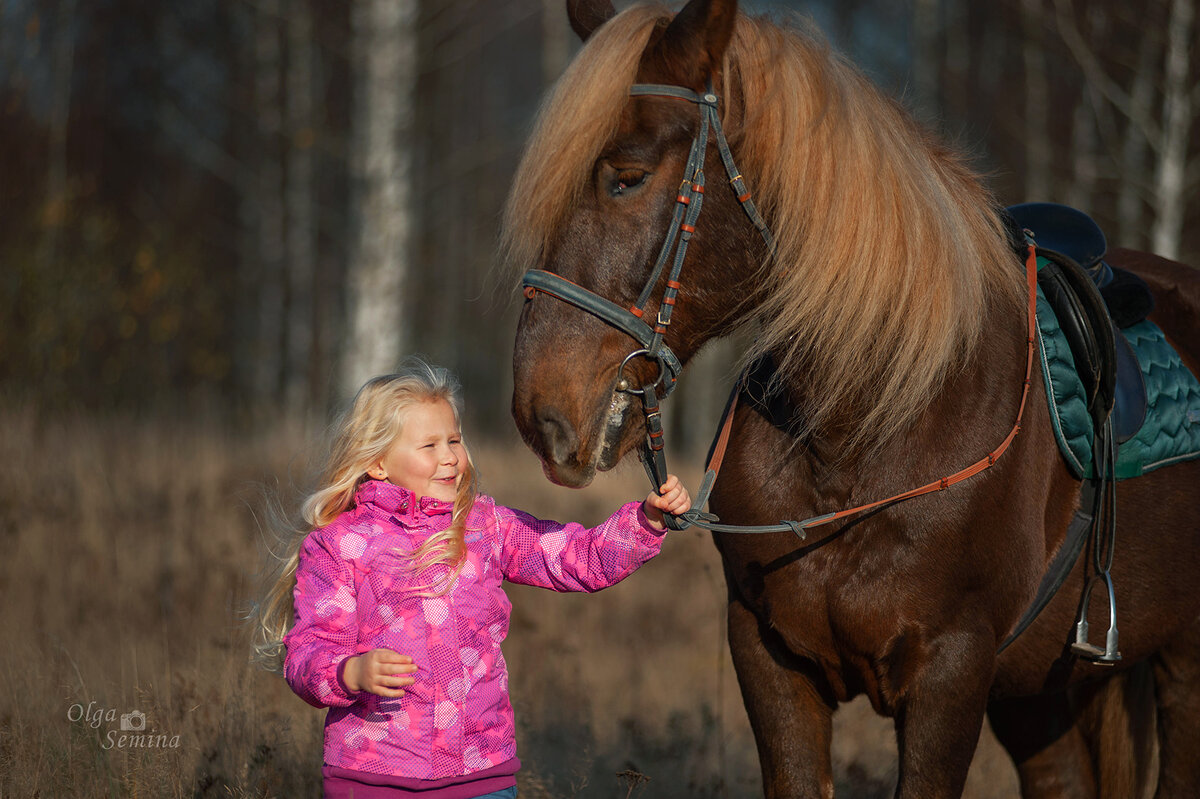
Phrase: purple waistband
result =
(344, 783)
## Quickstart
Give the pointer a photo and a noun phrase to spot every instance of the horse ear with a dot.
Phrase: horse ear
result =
(587, 15)
(697, 37)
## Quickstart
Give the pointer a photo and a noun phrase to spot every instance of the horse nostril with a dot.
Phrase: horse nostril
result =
(558, 435)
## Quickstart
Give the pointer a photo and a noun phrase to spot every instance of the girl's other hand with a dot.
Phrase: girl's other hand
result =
(381, 672)
(671, 498)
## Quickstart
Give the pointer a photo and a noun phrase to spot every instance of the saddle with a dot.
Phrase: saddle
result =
(1154, 394)
(1071, 278)
(1092, 302)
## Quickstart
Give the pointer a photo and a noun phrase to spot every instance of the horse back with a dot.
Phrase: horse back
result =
(1176, 290)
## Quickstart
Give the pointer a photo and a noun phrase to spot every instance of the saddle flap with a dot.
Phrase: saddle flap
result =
(1129, 398)
(1084, 320)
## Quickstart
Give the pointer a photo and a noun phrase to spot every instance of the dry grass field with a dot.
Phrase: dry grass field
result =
(130, 549)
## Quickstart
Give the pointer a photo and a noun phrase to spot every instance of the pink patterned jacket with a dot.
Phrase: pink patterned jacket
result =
(352, 595)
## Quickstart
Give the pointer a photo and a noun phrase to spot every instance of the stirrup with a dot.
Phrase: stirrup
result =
(1109, 655)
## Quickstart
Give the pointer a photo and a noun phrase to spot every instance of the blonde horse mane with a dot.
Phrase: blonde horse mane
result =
(890, 254)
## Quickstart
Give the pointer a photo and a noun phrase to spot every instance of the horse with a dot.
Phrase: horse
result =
(889, 300)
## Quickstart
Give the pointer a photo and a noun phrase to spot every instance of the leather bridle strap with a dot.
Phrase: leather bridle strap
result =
(623, 319)
(709, 114)
(683, 224)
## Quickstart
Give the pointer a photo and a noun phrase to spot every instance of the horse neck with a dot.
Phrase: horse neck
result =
(968, 417)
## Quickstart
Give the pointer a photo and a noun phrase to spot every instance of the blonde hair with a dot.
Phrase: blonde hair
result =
(889, 251)
(362, 436)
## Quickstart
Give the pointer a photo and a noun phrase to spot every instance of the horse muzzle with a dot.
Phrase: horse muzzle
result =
(571, 457)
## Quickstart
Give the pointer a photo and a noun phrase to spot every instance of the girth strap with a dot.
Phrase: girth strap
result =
(1064, 560)
(1095, 521)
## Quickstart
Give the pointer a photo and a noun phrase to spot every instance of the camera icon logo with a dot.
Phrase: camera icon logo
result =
(133, 722)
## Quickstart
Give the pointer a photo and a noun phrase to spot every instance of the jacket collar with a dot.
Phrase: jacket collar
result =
(399, 501)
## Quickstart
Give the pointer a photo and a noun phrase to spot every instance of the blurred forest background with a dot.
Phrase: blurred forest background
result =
(217, 217)
(253, 204)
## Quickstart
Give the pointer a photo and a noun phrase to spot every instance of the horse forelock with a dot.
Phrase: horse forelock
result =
(889, 252)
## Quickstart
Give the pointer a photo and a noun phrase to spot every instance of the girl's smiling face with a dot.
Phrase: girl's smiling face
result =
(428, 457)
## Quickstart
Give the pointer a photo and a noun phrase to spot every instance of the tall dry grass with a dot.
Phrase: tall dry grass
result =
(130, 549)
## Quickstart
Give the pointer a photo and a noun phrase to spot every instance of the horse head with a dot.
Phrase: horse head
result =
(621, 161)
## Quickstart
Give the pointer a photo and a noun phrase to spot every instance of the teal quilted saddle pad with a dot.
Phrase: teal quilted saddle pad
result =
(1171, 431)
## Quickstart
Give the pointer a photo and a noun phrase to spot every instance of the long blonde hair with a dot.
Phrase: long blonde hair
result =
(360, 439)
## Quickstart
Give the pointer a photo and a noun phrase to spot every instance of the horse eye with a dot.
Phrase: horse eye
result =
(627, 179)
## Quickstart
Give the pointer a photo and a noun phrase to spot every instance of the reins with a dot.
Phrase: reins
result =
(629, 320)
(799, 527)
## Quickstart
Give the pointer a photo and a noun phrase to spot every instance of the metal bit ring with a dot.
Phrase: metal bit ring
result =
(623, 383)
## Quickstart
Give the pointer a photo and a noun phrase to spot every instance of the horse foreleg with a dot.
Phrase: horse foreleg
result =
(1044, 739)
(792, 721)
(940, 714)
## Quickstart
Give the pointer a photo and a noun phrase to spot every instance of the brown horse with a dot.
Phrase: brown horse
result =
(892, 305)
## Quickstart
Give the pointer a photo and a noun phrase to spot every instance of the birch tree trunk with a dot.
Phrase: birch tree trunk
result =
(301, 228)
(1165, 139)
(1170, 200)
(385, 51)
(1134, 147)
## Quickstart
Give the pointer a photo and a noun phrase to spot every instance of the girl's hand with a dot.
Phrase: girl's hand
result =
(381, 672)
(674, 498)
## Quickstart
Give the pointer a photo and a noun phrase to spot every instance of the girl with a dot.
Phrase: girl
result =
(397, 611)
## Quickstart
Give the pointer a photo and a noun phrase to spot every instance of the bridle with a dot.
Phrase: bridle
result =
(686, 211)
(629, 320)
(688, 203)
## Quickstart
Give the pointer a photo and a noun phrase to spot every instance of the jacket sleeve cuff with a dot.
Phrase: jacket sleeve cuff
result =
(341, 679)
(332, 690)
(647, 527)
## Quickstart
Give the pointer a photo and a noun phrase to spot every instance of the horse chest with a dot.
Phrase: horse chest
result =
(835, 609)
